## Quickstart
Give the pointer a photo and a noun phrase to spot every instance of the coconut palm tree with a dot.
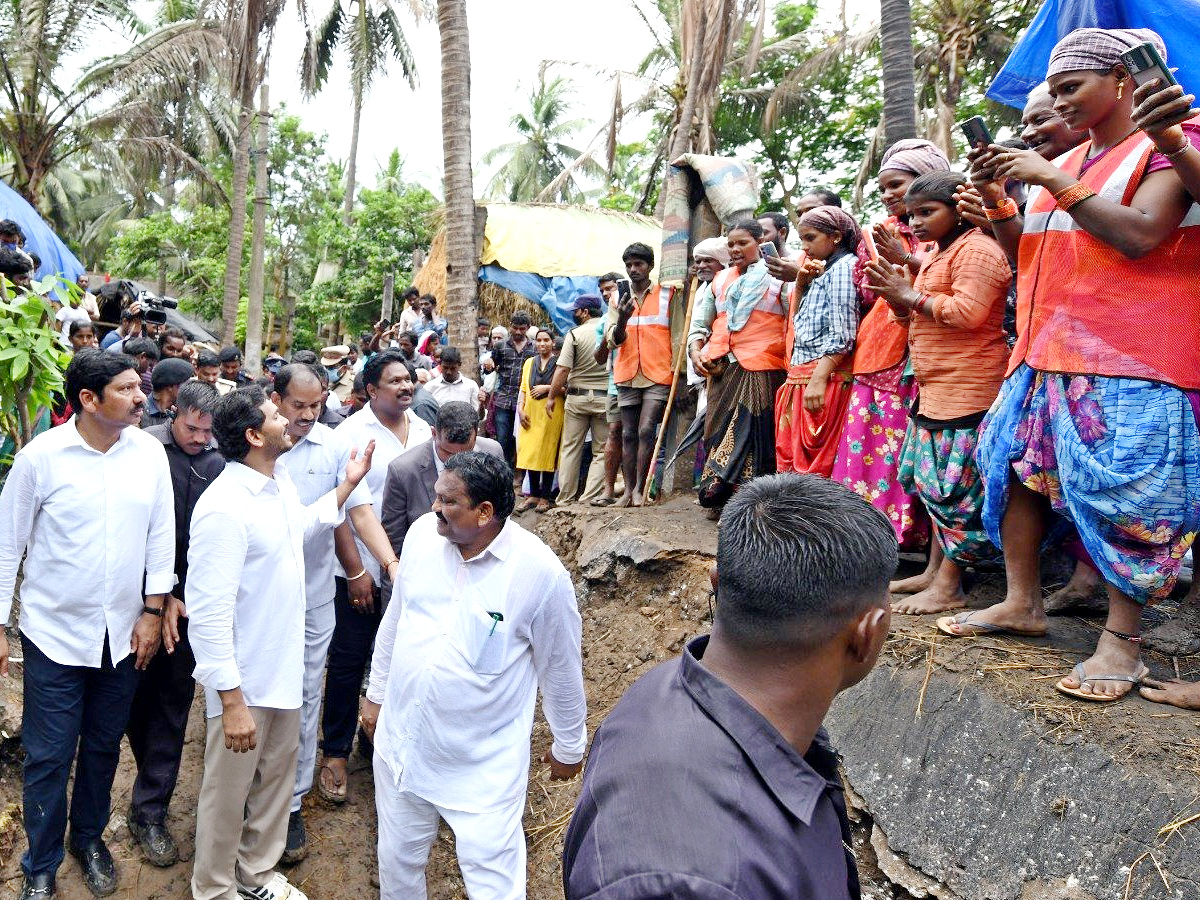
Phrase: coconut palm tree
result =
(462, 254)
(899, 85)
(540, 156)
(370, 35)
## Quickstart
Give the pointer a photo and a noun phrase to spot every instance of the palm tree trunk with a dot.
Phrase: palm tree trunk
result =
(258, 238)
(899, 89)
(352, 163)
(462, 256)
(160, 286)
(681, 140)
(237, 226)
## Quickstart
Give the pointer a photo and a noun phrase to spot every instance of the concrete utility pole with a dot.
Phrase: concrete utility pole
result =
(389, 293)
(254, 304)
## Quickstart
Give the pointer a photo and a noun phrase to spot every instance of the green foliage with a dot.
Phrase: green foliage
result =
(31, 358)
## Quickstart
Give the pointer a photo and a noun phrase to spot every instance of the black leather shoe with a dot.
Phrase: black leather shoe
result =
(99, 871)
(38, 887)
(156, 842)
(297, 841)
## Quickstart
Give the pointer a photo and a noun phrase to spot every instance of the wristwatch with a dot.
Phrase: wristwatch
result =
(153, 610)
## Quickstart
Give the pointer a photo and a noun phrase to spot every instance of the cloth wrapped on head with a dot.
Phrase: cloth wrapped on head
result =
(712, 248)
(1099, 49)
(835, 220)
(916, 156)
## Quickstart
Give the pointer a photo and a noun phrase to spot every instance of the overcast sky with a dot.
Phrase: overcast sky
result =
(509, 40)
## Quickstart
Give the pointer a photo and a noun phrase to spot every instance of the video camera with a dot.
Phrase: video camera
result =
(116, 295)
(154, 307)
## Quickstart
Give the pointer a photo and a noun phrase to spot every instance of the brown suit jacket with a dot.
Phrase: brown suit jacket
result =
(408, 490)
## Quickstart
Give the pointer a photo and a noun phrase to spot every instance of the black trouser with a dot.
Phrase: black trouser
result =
(71, 714)
(541, 484)
(349, 653)
(506, 423)
(157, 725)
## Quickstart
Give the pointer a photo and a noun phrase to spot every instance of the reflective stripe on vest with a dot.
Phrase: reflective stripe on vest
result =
(759, 345)
(1082, 305)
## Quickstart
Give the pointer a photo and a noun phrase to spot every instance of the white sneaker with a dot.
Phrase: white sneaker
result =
(277, 888)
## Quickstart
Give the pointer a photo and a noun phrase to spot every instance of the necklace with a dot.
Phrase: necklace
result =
(1091, 155)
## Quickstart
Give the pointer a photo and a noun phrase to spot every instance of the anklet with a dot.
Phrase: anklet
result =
(1132, 638)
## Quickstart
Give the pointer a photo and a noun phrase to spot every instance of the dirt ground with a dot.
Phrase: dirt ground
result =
(642, 579)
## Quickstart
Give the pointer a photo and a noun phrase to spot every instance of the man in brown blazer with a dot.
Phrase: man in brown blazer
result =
(408, 490)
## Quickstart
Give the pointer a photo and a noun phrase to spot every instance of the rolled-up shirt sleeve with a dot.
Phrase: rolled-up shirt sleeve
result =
(216, 556)
(19, 504)
(160, 540)
(555, 636)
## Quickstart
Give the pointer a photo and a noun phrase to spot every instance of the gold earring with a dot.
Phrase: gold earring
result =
(1120, 87)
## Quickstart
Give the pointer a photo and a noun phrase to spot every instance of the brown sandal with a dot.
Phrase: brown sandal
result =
(340, 790)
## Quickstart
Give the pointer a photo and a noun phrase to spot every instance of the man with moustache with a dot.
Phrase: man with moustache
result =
(247, 610)
(317, 463)
(584, 383)
(483, 615)
(158, 719)
(389, 421)
(98, 566)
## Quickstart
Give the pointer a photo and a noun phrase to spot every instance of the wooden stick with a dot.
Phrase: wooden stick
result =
(662, 428)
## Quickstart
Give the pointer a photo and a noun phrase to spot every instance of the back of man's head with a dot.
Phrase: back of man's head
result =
(457, 422)
(798, 558)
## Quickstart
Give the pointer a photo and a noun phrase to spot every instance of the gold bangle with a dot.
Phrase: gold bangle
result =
(1069, 198)
(1175, 154)
(1002, 213)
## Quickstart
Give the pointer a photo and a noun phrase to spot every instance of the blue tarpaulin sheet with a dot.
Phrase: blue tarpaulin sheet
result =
(1177, 21)
(555, 295)
(39, 237)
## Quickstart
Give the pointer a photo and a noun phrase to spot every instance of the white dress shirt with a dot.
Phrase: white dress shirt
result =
(459, 657)
(358, 430)
(94, 524)
(317, 465)
(245, 590)
(464, 390)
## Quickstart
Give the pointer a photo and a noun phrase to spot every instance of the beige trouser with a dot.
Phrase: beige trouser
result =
(242, 813)
(583, 413)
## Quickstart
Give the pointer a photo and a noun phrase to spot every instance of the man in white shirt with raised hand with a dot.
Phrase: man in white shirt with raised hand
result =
(483, 615)
(91, 502)
(246, 609)
(389, 421)
(317, 463)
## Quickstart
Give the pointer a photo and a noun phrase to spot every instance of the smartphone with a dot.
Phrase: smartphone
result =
(976, 132)
(385, 324)
(623, 289)
(1144, 64)
(768, 249)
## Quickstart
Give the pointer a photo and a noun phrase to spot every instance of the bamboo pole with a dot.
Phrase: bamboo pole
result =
(679, 357)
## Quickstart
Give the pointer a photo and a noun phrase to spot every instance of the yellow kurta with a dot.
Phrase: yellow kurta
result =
(537, 445)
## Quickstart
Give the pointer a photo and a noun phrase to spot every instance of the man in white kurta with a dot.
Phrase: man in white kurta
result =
(482, 615)
(246, 606)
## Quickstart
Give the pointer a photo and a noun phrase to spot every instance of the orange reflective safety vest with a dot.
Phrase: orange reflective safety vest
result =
(647, 343)
(759, 346)
(1084, 308)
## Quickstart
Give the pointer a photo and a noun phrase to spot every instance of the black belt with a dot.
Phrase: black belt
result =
(587, 392)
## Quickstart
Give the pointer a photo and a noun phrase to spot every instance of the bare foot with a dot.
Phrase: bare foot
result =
(1080, 591)
(914, 585)
(332, 783)
(1184, 694)
(1007, 614)
(625, 501)
(934, 599)
(1113, 656)
(638, 500)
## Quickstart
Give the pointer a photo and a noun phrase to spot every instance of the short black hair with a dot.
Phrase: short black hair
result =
(483, 320)
(410, 336)
(750, 226)
(307, 357)
(432, 299)
(92, 369)
(171, 334)
(457, 421)
(609, 276)
(229, 354)
(779, 219)
(360, 384)
(826, 196)
(8, 226)
(233, 415)
(799, 556)
(199, 396)
(14, 262)
(452, 355)
(207, 359)
(938, 186)
(373, 370)
(319, 370)
(142, 346)
(285, 376)
(520, 317)
(486, 478)
(638, 250)
(410, 292)
(78, 326)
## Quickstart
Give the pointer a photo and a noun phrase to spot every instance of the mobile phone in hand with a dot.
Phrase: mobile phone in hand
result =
(768, 249)
(976, 132)
(1145, 64)
(623, 289)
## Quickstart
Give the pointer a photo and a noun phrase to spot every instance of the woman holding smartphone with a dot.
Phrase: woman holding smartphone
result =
(1099, 417)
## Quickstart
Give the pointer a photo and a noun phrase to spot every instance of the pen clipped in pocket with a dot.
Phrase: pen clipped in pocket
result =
(493, 632)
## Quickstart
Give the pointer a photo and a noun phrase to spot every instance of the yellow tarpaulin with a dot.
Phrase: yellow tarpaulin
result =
(552, 240)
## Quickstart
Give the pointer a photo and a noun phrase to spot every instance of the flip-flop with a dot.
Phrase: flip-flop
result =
(604, 501)
(964, 619)
(1132, 680)
(337, 797)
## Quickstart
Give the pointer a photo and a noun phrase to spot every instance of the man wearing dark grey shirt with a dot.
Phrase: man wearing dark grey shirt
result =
(712, 779)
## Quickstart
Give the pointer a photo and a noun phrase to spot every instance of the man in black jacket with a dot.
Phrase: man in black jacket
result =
(158, 719)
